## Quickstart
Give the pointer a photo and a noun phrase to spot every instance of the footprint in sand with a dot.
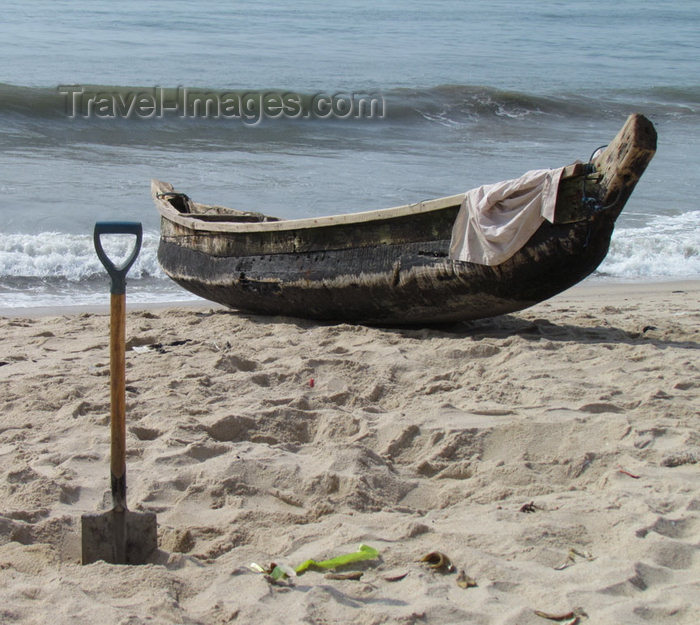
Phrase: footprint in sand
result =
(144, 433)
(233, 363)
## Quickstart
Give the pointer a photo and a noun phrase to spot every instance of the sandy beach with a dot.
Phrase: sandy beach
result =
(552, 455)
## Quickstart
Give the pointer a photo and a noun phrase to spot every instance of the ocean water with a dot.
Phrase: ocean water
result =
(313, 108)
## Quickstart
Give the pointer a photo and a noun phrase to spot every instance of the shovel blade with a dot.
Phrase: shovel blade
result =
(119, 537)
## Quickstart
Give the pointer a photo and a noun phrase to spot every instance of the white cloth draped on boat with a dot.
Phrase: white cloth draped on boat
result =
(496, 220)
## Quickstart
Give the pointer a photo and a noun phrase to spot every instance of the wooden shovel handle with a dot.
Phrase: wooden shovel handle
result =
(117, 372)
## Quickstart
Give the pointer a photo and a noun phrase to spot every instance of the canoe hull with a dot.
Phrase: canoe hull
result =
(412, 283)
(392, 266)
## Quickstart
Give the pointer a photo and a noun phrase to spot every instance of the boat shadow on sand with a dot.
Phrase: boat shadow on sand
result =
(536, 329)
(601, 331)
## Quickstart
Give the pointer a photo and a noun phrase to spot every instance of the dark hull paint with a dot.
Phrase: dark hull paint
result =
(412, 283)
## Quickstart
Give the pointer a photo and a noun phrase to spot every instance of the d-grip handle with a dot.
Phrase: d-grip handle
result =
(117, 272)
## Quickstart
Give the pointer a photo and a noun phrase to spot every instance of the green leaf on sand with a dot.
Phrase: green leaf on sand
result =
(365, 552)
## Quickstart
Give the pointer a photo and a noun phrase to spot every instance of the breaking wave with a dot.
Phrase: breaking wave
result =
(667, 247)
(444, 102)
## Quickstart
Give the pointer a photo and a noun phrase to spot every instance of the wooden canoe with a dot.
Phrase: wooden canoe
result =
(391, 266)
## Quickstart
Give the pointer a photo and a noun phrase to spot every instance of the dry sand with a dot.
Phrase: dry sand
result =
(583, 410)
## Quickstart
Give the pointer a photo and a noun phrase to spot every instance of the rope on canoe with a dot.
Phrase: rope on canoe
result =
(591, 203)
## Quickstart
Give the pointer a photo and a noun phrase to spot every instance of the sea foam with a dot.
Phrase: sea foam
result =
(71, 257)
(53, 268)
(668, 247)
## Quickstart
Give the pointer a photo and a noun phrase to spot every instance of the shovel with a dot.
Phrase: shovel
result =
(118, 536)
